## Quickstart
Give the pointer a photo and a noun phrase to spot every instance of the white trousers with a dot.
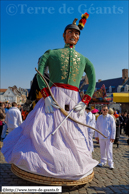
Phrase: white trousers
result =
(106, 151)
(90, 136)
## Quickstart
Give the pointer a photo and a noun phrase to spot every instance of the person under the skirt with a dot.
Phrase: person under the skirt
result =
(90, 120)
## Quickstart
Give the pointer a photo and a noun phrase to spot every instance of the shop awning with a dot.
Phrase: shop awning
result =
(121, 97)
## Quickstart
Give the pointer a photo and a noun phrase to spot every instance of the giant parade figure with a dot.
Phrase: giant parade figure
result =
(45, 145)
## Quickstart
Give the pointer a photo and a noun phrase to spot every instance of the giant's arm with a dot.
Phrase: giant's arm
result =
(90, 71)
(42, 66)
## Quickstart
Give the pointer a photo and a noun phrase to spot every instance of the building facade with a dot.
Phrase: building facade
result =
(13, 94)
(114, 90)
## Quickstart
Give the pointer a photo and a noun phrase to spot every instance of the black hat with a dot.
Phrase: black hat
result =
(81, 24)
(72, 26)
(88, 108)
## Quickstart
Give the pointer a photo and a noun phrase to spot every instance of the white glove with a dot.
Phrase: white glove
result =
(49, 104)
(80, 108)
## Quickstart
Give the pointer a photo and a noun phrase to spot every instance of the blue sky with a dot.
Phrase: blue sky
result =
(29, 28)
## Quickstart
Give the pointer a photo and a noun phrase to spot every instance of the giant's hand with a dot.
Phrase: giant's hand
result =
(80, 108)
(49, 104)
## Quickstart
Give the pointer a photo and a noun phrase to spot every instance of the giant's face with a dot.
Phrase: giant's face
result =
(71, 36)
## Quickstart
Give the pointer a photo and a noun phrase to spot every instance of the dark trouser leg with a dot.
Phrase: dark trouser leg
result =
(120, 129)
(1, 128)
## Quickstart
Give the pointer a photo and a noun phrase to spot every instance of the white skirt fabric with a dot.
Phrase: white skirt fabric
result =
(66, 154)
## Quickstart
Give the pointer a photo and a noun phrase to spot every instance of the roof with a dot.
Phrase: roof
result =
(15, 90)
(3, 90)
(127, 82)
(114, 83)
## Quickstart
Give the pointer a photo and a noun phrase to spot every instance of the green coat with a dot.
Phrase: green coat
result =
(66, 66)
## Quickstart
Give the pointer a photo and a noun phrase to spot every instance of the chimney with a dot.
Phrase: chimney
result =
(99, 80)
(125, 75)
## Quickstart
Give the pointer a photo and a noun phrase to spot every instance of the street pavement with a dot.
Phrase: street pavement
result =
(104, 181)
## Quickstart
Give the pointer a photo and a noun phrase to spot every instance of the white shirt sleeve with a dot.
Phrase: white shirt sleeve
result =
(113, 127)
(96, 133)
(19, 118)
(87, 119)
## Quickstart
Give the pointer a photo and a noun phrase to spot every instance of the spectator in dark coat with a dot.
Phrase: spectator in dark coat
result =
(2, 117)
(121, 121)
(127, 129)
(125, 118)
(117, 132)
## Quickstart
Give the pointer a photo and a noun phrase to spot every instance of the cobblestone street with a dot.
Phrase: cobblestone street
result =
(105, 180)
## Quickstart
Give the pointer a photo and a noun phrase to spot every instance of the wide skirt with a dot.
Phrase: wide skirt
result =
(65, 155)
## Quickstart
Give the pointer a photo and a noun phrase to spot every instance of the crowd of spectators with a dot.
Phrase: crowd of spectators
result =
(121, 119)
(10, 117)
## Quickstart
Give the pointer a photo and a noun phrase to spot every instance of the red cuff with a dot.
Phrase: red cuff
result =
(45, 92)
(86, 99)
